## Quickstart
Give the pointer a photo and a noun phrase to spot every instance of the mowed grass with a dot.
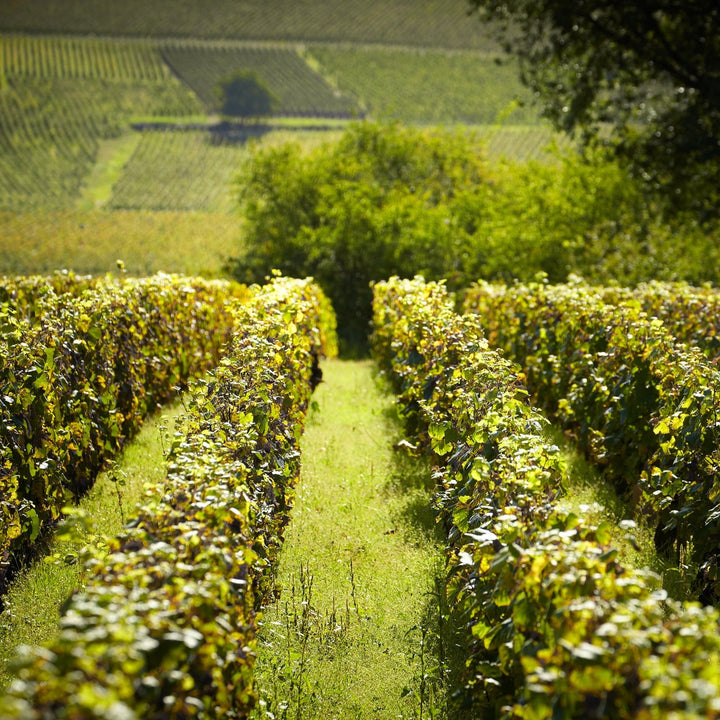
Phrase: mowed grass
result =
(354, 632)
(32, 605)
(111, 158)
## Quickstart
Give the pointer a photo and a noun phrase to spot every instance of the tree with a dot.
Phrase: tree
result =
(641, 77)
(243, 94)
(379, 201)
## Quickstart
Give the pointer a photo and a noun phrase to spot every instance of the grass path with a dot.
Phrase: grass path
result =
(111, 158)
(354, 632)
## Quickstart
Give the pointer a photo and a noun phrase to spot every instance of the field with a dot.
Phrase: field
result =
(426, 23)
(501, 502)
(60, 99)
(80, 117)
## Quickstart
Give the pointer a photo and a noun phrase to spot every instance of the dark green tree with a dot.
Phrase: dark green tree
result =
(642, 77)
(243, 94)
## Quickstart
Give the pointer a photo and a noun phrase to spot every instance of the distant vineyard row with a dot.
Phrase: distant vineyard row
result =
(416, 22)
(80, 58)
(166, 624)
(190, 171)
(557, 625)
(428, 86)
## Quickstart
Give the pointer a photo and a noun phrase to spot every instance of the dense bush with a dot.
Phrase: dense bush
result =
(386, 200)
(376, 203)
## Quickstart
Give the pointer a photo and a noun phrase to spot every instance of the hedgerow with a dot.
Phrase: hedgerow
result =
(640, 404)
(166, 626)
(79, 372)
(557, 626)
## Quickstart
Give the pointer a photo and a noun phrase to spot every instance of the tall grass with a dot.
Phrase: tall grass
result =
(189, 243)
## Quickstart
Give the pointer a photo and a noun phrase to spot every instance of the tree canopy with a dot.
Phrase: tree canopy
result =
(642, 77)
(243, 94)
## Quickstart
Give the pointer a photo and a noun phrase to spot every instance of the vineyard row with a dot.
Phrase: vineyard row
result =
(639, 401)
(81, 364)
(166, 626)
(557, 625)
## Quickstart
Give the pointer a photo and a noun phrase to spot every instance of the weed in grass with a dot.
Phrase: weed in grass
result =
(119, 480)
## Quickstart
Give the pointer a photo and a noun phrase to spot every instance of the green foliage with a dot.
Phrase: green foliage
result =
(166, 626)
(385, 200)
(690, 313)
(29, 295)
(378, 202)
(80, 370)
(428, 86)
(648, 71)
(557, 625)
(585, 215)
(641, 405)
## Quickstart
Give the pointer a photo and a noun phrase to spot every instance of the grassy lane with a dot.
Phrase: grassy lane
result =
(354, 631)
(112, 156)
